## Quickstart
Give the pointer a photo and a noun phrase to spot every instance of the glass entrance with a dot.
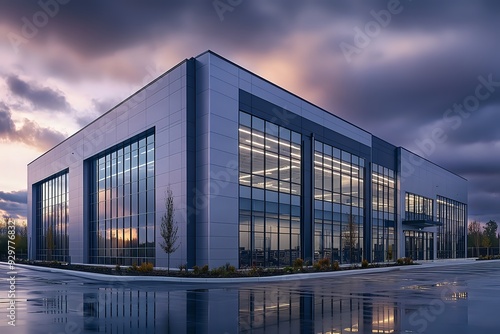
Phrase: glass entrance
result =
(419, 245)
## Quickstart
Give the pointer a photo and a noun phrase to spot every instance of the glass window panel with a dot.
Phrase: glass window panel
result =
(295, 151)
(295, 171)
(295, 189)
(245, 119)
(272, 184)
(318, 194)
(272, 144)
(328, 180)
(245, 135)
(272, 196)
(346, 156)
(258, 224)
(245, 158)
(296, 138)
(272, 169)
(257, 161)
(318, 146)
(150, 183)
(245, 192)
(318, 177)
(272, 129)
(285, 187)
(285, 169)
(346, 185)
(285, 134)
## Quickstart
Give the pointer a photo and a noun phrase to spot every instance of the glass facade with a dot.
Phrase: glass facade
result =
(418, 207)
(338, 204)
(452, 234)
(270, 193)
(419, 245)
(52, 205)
(383, 214)
(122, 203)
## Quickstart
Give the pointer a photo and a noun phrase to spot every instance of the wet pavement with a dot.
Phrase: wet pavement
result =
(440, 299)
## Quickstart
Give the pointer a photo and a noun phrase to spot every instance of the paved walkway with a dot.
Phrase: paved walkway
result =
(279, 278)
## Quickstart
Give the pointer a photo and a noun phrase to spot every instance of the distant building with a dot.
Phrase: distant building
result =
(259, 177)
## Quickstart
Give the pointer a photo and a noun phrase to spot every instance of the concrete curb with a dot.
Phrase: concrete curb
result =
(280, 278)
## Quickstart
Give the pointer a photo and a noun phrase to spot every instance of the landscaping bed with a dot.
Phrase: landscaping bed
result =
(229, 271)
(488, 257)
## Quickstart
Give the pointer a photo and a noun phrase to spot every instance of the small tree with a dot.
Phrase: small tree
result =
(350, 238)
(475, 236)
(486, 242)
(490, 232)
(168, 228)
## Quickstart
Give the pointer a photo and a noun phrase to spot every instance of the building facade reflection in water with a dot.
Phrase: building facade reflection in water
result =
(271, 309)
(289, 312)
(118, 310)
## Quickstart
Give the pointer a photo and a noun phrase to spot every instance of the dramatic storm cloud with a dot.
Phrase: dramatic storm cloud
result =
(40, 97)
(13, 204)
(29, 133)
(402, 70)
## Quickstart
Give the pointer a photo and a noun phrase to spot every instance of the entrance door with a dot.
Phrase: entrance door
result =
(419, 245)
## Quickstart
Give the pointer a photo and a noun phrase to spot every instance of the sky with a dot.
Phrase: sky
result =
(424, 75)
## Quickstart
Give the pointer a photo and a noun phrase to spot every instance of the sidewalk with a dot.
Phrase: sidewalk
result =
(280, 278)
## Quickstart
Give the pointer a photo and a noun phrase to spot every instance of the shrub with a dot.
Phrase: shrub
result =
(336, 265)
(408, 260)
(182, 267)
(217, 272)
(316, 266)
(145, 267)
(298, 264)
(229, 268)
(288, 269)
(364, 263)
(118, 268)
(400, 261)
(255, 271)
(204, 269)
(134, 266)
(196, 270)
(324, 263)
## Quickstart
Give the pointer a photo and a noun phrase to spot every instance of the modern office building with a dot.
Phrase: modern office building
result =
(259, 176)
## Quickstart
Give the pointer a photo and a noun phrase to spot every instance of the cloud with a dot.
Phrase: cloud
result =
(7, 126)
(30, 133)
(20, 196)
(14, 204)
(426, 59)
(41, 97)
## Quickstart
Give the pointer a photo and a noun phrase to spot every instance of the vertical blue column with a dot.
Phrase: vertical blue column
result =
(367, 233)
(307, 198)
(191, 161)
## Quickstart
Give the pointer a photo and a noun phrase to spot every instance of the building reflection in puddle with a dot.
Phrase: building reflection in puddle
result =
(271, 309)
(288, 312)
(119, 310)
